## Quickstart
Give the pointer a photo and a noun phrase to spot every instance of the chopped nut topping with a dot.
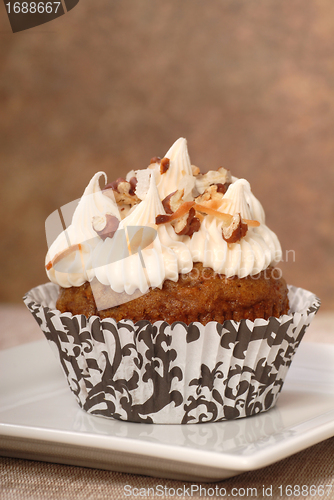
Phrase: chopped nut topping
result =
(155, 159)
(222, 176)
(162, 219)
(195, 170)
(124, 187)
(131, 173)
(184, 219)
(114, 184)
(211, 193)
(187, 225)
(122, 191)
(206, 209)
(182, 210)
(133, 183)
(187, 206)
(235, 231)
(173, 201)
(221, 188)
(105, 226)
(164, 165)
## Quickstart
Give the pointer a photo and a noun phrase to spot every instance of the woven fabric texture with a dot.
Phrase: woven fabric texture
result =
(29, 480)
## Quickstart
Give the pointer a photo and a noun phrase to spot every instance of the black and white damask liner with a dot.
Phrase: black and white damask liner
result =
(175, 373)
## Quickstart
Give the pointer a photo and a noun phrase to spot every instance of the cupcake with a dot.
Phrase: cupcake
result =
(165, 305)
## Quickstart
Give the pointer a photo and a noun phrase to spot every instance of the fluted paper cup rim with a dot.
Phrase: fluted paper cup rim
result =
(313, 306)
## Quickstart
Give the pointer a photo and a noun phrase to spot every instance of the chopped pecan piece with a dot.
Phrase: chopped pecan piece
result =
(105, 226)
(184, 219)
(162, 219)
(209, 210)
(114, 184)
(155, 159)
(182, 210)
(123, 187)
(221, 188)
(211, 193)
(222, 177)
(123, 191)
(164, 165)
(236, 230)
(173, 201)
(133, 183)
(187, 225)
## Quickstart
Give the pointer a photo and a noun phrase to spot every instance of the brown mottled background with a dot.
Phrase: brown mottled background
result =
(249, 83)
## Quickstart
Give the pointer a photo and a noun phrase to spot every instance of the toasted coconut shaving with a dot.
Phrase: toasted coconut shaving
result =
(221, 215)
(186, 206)
(211, 211)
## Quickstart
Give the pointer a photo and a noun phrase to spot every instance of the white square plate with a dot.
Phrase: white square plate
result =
(40, 419)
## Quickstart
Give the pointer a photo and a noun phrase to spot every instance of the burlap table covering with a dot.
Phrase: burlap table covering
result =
(313, 467)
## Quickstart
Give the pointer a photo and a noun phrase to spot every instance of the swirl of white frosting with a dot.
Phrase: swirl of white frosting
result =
(250, 255)
(76, 267)
(178, 176)
(167, 255)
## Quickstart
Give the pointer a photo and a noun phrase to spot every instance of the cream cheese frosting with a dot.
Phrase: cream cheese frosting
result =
(253, 253)
(76, 268)
(164, 254)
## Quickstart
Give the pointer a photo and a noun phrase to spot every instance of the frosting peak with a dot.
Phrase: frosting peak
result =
(179, 174)
(92, 204)
(235, 199)
(146, 211)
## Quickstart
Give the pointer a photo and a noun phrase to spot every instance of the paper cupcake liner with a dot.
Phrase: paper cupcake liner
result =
(177, 374)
